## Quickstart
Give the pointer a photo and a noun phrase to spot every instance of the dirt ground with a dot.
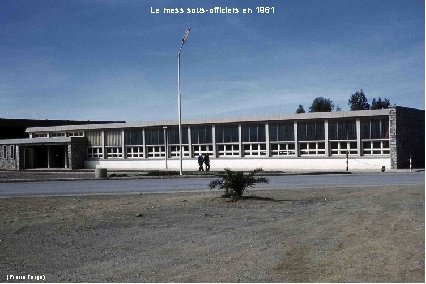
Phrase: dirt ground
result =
(373, 234)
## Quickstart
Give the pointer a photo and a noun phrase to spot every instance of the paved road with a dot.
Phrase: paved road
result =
(94, 187)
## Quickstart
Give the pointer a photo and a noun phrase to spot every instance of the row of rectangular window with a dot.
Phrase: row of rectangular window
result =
(345, 129)
(59, 134)
(315, 148)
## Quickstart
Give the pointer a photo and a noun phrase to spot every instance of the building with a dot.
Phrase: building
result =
(312, 141)
(16, 128)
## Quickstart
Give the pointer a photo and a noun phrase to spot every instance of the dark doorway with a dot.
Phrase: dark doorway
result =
(40, 157)
(43, 157)
(57, 156)
(28, 158)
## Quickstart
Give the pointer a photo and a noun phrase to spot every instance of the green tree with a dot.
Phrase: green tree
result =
(321, 104)
(235, 183)
(358, 101)
(379, 104)
(300, 109)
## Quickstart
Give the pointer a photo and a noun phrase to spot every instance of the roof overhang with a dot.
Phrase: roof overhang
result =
(41, 141)
(300, 116)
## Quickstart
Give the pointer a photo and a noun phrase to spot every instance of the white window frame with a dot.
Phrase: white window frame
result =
(283, 148)
(156, 151)
(342, 147)
(202, 149)
(114, 151)
(40, 135)
(375, 151)
(12, 152)
(4, 155)
(173, 150)
(228, 149)
(134, 152)
(95, 152)
(312, 148)
(254, 149)
(75, 134)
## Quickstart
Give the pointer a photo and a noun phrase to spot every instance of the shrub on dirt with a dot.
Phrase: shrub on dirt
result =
(234, 183)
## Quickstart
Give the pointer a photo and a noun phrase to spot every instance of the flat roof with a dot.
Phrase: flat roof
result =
(300, 116)
(40, 140)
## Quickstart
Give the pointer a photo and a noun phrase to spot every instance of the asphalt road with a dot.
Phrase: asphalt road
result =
(95, 187)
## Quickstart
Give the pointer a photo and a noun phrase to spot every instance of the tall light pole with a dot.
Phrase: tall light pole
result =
(166, 144)
(184, 40)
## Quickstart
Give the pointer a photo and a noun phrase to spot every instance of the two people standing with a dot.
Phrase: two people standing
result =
(205, 160)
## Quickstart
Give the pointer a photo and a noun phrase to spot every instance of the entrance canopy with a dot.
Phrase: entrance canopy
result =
(43, 152)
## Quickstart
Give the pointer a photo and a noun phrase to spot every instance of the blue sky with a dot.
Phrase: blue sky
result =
(114, 60)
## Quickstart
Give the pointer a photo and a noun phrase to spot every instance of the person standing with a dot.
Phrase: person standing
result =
(200, 163)
(207, 162)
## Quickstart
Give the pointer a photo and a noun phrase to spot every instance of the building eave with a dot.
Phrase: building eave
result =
(301, 116)
(40, 140)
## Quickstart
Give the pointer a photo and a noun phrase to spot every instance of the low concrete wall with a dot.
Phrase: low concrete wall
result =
(289, 164)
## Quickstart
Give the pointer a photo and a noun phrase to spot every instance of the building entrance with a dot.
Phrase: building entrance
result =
(45, 156)
(57, 157)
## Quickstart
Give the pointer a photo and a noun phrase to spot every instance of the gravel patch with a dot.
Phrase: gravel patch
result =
(321, 235)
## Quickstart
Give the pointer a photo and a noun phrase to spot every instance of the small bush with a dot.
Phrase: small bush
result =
(234, 183)
(117, 175)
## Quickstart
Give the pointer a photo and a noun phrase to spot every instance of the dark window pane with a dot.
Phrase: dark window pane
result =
(253, 133)
(226, 133)
(133, 137)
(310, 131)
(154, 136)
(173, 135)
(201, 134)
(281, 131)
(365, 129)
(332, 130)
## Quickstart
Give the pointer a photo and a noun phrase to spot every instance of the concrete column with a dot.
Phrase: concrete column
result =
(166, 146)
(66, 156)
(103, 144)
(296, 140)
(190, 142)
(48, 157)
(145, 154)
(358, 136)
(214, 140)
(123, 149)
(327, 145)
(240, 140)
(69, 151)
(17, 159)
(268, 146)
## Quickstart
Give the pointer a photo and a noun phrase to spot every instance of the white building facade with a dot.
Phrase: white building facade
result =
(366, 140)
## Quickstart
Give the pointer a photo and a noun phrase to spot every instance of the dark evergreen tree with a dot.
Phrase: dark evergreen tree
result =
(300, 109)
(321, 104)
(358, 101)
(379, 104)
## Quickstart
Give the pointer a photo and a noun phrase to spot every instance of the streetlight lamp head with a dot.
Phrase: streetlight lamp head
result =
(186, 35)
